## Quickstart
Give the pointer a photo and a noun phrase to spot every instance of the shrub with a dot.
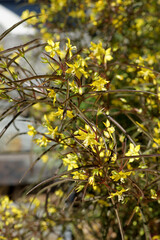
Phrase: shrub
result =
(95, 112)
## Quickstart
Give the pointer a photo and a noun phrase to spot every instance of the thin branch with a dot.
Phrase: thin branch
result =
(118, 219)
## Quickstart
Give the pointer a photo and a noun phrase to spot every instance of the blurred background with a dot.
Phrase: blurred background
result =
(15, 144)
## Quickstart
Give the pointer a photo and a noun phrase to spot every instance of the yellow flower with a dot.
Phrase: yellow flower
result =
(51, 210)
(79, 175)
(91, 180)
(70, 48)
(53, 48)
(37, 106)
(121, 138)
(100, 53)
(77, 68)
(133, 151)
(153, 194)
(99, 83)
(71, 161)
(87, 137)
(43, 16)
(73, 87)
(53, 132)
(52, 94)
(44, 158)
(146, 74)
(31, 1)
(59, 193)
(59, 113)
(17, 212)
(107, 56)
(32, 131)
(70, 114)
(120, 77)
(43, 225)
(27, 14)
(43, 142)
(57, 6)
(116, 176)
(119, 194)
(110, 130)
(97, 172)
(35, 201)
(156, 237)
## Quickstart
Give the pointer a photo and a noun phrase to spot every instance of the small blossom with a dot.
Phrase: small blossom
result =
(32, 131)
(133, 150)
(53, 48)
(70, 48)
(99, 84)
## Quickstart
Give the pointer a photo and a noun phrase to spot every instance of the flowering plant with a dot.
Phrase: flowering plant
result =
(95, 113)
